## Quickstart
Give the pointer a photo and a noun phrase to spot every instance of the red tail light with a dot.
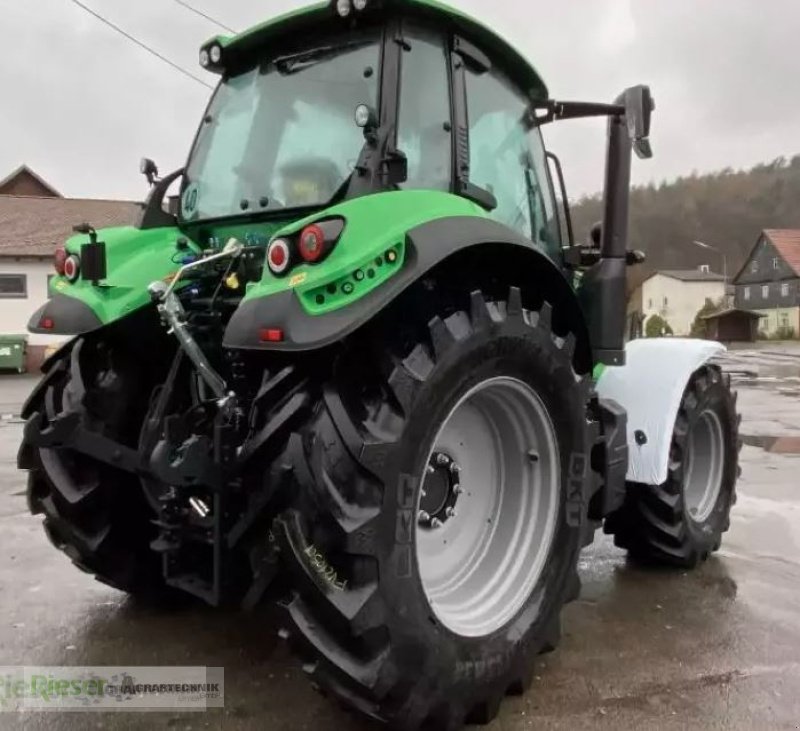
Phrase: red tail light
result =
(270, 335)
(72, 267)
(59, 257)
(279, 256)
(312, 243)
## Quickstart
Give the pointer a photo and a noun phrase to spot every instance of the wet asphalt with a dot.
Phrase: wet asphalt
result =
(717, 648)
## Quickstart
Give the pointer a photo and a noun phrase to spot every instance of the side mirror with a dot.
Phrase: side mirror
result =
(639, 106)
(149, 169)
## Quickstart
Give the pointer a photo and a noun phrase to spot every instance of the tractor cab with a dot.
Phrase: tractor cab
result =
(355, 99)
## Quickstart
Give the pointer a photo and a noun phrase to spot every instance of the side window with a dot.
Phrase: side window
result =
(508, 158)
(423, 128)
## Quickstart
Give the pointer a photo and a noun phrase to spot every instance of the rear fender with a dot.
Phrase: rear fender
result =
(430, 230)
(650, 387)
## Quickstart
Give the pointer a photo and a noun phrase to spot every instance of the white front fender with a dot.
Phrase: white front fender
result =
(650, 387)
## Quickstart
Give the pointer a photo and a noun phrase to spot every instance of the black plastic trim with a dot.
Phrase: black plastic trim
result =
(614, 423)
(461, 159)
(70, 316)
(153, 213)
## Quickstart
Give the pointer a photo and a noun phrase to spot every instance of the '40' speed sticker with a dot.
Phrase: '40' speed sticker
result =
(189, 200)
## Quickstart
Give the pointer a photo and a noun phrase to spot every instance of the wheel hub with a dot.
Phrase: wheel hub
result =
(440, 491)
(705, 457)
(488, 506)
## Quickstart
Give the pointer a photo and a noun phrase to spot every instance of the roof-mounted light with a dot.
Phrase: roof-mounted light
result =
(359, 5)
(211, 55)
(343, 8)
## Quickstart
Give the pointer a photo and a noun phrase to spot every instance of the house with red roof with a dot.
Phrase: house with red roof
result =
(34, 219)
(769, 282)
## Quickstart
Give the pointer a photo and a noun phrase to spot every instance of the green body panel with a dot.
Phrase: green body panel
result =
(375, 226)
(361, 261)
(134, 258)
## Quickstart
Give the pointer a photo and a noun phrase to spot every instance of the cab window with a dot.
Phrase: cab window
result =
(423, 127)
(507, 158)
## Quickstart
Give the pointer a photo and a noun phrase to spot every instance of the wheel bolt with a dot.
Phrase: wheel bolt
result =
(436, 523)
(457, 489)
(442, 459)
(451, 512)
(423, 518)
(429, 469)
(454, 467)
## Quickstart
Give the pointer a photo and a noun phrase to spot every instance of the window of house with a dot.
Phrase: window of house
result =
(775, 264)
(746, 292)
(13, 286)
(754, 266)
(666, 301)
(765, 291)
(423, 127)
(785, 289)
(705, 268)
(784, 320)
(650, 303)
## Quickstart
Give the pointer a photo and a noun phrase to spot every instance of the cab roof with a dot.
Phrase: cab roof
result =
(322, 14)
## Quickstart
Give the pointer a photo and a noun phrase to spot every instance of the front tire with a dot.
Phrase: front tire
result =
(377, 624)
(681, 522)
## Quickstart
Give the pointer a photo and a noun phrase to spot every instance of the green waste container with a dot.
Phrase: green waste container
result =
(12, 352)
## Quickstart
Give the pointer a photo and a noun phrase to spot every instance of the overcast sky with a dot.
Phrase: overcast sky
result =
(81, 104)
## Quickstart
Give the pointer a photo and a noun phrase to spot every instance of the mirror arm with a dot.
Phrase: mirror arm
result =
(153, 213)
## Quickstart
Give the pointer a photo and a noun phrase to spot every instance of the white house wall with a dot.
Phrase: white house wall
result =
(15, 312)
(677, 301)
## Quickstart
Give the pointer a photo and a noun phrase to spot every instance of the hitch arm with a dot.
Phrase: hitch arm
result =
(67, 431)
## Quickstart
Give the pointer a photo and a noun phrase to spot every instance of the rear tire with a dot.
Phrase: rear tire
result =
(97, 515)
(359, 609)
(680, 522)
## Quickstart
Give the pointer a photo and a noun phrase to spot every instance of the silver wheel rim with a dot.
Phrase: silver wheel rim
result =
(482, 549)
(705, 455)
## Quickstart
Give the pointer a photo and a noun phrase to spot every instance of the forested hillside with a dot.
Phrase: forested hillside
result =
(726, 209)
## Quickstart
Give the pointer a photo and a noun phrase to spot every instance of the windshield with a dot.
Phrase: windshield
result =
(282, 135)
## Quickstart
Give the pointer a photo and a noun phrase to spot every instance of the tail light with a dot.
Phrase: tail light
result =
(59, 257)
(72, 267)
(312, 243)
(279, 256)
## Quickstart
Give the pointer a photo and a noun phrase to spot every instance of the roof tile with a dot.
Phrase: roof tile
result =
(787, 242)
(690, 275)
(32, 226)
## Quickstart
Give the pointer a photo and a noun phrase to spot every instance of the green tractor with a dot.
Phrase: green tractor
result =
(358, 368)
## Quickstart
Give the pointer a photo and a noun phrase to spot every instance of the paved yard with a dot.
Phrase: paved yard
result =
(717, 648)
